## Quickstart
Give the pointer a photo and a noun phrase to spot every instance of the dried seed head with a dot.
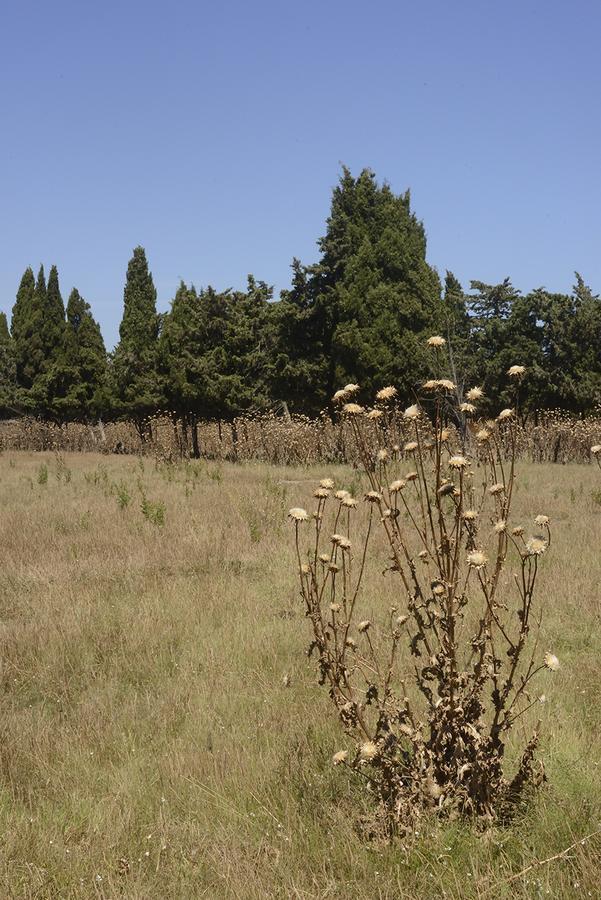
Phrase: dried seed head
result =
(470, 515)
(423, 554)
(595, 449)
(412, 412)
(457, 462)
(467, 408)
(386, 393)
(337, 538)
(374, 414)
(500, 526)
(364, 626)
(324, 558)
(321, 493)
(436, 341)
(368, 751)
(551, 662)
(410, 446)
(339, 396)
(430, 385)
(340, 495)
(411, 476)
(344, 544)
(297, 514)
(397, 486)
(445, 434)
(333, 568)
(482, 435)
(437, 588)
(516, 371)
(504, 414)
(541, 520)
(327, 483)
(351, 388)
(496, 489)
(340, 757)
(335, 607)
(305, 570)
(517, 531)
(352, 409)
(382, 454)
(401, 620)
(477, 559)
(373, 497)
(475, 393)
(536, 546)
(349, 502)
(446, 384)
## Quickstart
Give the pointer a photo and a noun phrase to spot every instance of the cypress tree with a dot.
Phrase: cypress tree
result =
(54, 317)
(77, 382)
(135, 383)
(7, 369)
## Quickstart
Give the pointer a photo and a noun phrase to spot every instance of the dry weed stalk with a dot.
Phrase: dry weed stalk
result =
(431, 691)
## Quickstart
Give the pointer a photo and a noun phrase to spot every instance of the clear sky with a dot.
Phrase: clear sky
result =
(213, 132)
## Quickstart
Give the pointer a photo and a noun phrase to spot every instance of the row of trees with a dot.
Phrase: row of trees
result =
(360, 314)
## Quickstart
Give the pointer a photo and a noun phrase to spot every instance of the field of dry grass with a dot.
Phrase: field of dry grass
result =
(162, 732)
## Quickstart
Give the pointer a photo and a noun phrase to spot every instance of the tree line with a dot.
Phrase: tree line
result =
(361, 313)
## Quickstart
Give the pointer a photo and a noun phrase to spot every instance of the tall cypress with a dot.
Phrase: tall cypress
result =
(135, 383)
(54, 317)
(77, 384)
(22, 314)
(7, 369)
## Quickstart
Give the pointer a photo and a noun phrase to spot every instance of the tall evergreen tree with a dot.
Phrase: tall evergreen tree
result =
(77, 382)
(21, 327)
(8, 380)
(372, 298)
(134, 378)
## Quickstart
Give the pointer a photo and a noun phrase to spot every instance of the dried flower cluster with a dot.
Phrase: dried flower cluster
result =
(430, 688)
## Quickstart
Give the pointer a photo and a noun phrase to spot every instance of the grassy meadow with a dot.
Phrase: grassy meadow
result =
(163, 734)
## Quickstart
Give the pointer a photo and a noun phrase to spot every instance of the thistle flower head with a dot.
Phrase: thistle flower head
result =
(470, 515)
(373, 497)
(412, 412)
(467, 408)
(436, 341)
(477, 559)
(397, 486)
(321, 493)
(516, 371)
(351, 388)
(551, 662)
(368, 751)
(504, 414)
(340, 757)
(536, 546)
(349, 502)
(411, 476)
(541, 520)
(500, 526)
(382, 454)
(341, 494)
(457, 462)
(446, 384)
(517, 531)
(595, 449)
(386, 393)
(430, 385)
(475, 393)
(375, 414)
(496, 489)
(327, 483)
(339, 396)
(364, 626)
(352, 409)
(482, 435)
(410, 446)
(298, 514)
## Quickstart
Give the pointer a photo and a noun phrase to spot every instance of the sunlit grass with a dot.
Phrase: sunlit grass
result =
(162, 734)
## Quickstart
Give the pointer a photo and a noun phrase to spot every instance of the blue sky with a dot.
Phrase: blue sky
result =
(213, 133)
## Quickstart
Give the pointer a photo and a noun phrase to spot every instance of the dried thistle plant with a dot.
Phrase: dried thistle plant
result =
(430, 690)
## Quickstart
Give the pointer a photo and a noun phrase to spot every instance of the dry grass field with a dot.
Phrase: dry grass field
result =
(162, 731)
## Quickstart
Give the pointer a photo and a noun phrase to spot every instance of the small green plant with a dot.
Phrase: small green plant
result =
(153, 511)
(43, 474)
(122, 494)
(215, 474)
(63, 472)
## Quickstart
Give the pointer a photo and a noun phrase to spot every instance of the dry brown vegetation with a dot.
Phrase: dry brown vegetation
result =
(276, 439)
(162, 734)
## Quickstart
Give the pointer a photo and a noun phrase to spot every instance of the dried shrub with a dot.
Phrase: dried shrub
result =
(431, 689)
